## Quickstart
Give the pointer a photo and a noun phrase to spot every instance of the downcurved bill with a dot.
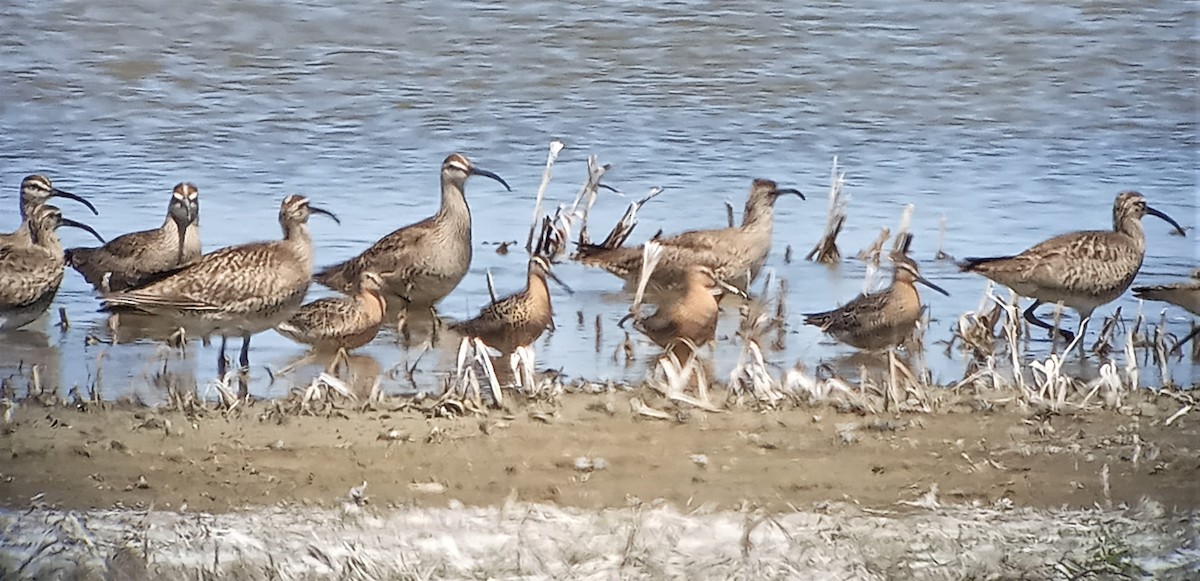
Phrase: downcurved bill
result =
(782, 191)
(82, 226)
(57, 193)
(325, 212)
(1157, 214)
(487, 174)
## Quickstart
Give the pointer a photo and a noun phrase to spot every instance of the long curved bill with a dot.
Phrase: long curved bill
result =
(325, 212)
(791, 191)
(57, 193)
(487, 174)
(926, 282)
(1157, 214)
(82, 226)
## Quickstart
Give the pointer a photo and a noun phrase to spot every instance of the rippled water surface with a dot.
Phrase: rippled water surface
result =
(1015, 121)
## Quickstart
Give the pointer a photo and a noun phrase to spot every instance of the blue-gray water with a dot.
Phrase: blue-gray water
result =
(1015, 120)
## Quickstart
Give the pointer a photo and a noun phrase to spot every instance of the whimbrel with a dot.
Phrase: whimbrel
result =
(334, 323)
(30, 274)
(421, 263)
(1185, 295)
(688, 320)
(1083, 270)
(735, 254)
(239, 290)
(881, 319)
(136, 258)
(35, 191)
(518, 319)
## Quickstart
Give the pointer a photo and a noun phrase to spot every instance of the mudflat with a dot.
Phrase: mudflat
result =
(589, 450)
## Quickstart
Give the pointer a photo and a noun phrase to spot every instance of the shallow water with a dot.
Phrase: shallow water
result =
(1014, 121)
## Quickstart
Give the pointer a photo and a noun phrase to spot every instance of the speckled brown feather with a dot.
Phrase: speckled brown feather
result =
(1185, 295)
(878, 320)
(424, 261)
(736, 255)
(346, 322)
(1084, 269)
(243, 289)
(515, 320)
(137, 258)
(31, 274)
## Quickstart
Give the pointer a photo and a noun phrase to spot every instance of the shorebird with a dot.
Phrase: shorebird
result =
(422, 262)
(882, 319)
(1083, 270)
(1185, 295)
(336, 323)
(35, 191)
(30, 274)
(136, 258)
(516, 320)
(687, 321)
(238, 290)
(735, 255)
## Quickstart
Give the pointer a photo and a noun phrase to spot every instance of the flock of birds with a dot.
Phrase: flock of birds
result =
(241, 290)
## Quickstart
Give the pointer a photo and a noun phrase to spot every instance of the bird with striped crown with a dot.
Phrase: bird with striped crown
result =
(423, 262)
(1083, 270)
(30, 274)
(36, 190)
(735, 255)
(137, 258)
(235, 291)
(516, 320)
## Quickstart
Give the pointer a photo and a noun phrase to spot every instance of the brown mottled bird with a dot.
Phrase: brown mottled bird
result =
(422, 262)
(346, 322)
(30, 274)
(735, 255)
(1084, 270)
(518, 319)
(881, 319)
(1185, 295)
(137, 258)
(239, 290)
(688, 319)
(35, 191)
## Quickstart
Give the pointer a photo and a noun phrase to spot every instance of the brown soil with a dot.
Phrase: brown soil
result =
(93, 459)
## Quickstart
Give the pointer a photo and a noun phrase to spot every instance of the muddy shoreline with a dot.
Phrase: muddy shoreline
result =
(582, 484)
(593, 451)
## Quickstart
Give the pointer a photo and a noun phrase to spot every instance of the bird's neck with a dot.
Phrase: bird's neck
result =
(373, 301)
(1131, 227)
(47, 239)
(454, 207)
(759, 212)
(538, 289)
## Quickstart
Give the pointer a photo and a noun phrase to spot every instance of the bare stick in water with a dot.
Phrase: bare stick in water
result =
(651, 254)
(826, 250)
(556, 147)
(589, 191)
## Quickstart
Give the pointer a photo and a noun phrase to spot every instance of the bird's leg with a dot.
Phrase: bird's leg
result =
(1033, 320)
(1084, 318)
(244, 358)
(221, 363)
(339, 358)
